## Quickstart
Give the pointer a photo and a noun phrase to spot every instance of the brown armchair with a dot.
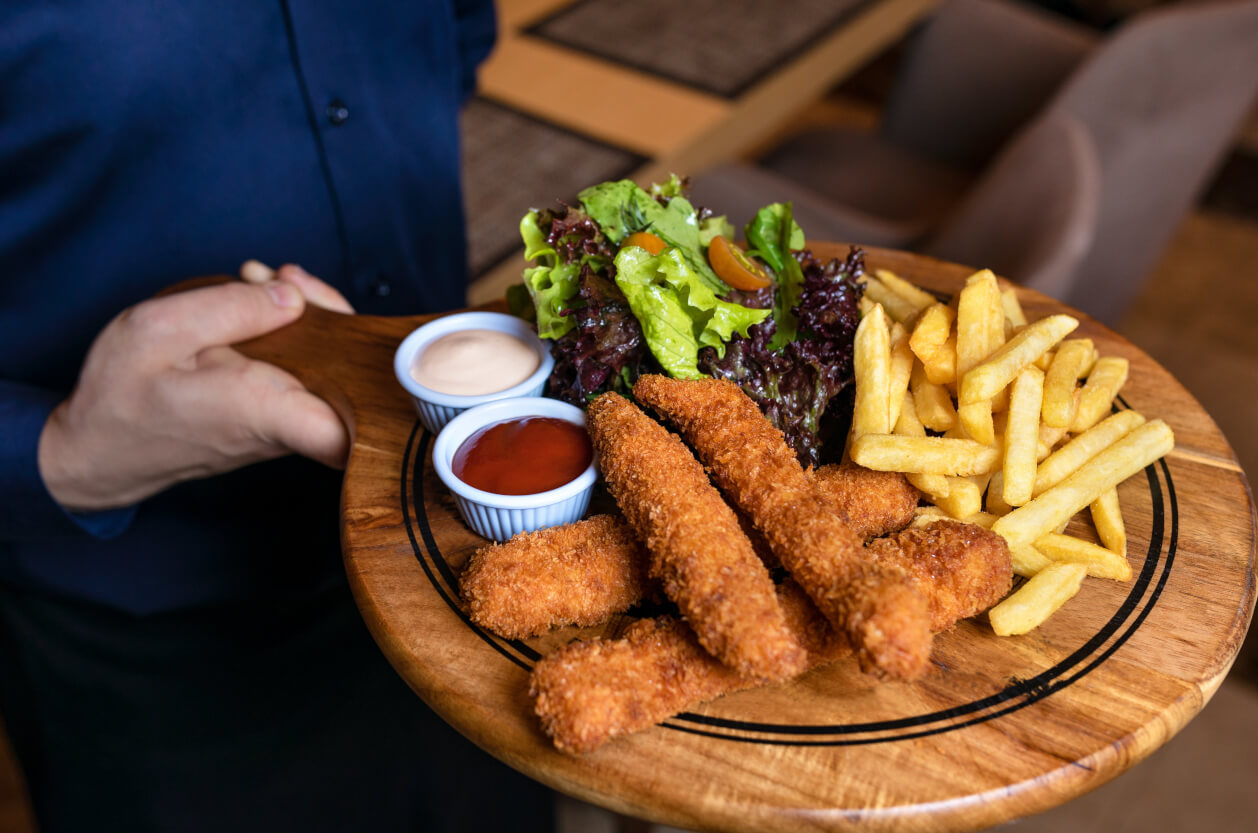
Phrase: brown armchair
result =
(1023, 143)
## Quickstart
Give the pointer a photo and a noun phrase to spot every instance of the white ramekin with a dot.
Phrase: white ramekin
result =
(498, 517)
(436, 408)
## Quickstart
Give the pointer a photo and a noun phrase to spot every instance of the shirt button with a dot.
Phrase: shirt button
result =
(338, 112)
(381, 287)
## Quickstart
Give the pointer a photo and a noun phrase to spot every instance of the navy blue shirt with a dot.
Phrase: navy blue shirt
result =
(142, 143)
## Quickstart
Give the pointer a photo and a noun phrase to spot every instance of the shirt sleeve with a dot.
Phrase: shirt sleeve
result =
(27, 510)
(477, 31)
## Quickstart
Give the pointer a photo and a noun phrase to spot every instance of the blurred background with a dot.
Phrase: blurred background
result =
(1102, 151)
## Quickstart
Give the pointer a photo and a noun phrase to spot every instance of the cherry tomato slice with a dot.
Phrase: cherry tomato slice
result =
(732, 265)
(646, 240)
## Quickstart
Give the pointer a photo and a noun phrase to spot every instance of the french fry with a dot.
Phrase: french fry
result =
(926, 455)
(872, 361)
(985, 380)
(896, 307)
(924, 515)
(1099, 561)
(1042, 596)
(983, 519)
(941, 367)
(1059, 382)
(1027, 560)
(901, 362)
(977, 300)
(908, 425)
(996, 495)
(1049, 437)
(1000, 402)
(1066, 460)
(1107, 517)
(931, 331)
(1112, 466)
(996, 334)
(1012, 308)
(1022, 436)
(976, 419)
(919, 298)
(978, 306)
(1105, 380)
(934, 404)
(1000, 421)
(964, 498)
(1091, 363)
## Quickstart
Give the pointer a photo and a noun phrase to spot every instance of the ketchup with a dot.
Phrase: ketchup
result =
(523, 456)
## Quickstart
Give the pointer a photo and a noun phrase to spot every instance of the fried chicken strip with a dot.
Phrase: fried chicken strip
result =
(872, 503)
(698, 552)
(575, 574)
(590, 692)
(885, 618)
(585, 572)
(962, 569)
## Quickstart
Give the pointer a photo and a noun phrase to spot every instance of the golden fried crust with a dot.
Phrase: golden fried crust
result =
(749, 459)
(589, 692)
(873, 503)
(576, 574)
(961, 568)
(698, 552)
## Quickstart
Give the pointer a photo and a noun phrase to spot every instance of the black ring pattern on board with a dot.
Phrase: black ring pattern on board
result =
(1146, 589)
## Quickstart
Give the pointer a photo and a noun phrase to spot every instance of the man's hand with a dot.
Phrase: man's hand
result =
(162, 398)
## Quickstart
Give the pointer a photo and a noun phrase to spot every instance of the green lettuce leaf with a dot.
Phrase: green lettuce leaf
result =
(550, 284)
(672, 188)
(765, 235)
(679, 314)
(774, 234)
(712, 227)
(621, 208)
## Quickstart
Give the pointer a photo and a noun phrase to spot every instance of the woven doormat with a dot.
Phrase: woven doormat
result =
(712, 45)
(511, 163)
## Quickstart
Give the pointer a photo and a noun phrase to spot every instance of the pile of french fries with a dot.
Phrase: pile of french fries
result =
(1002, 423)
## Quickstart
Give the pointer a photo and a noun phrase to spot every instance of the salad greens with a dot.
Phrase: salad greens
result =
(679, 314)
(615, 310)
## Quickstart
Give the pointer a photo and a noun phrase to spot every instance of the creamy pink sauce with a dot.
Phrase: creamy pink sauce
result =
(474, 362)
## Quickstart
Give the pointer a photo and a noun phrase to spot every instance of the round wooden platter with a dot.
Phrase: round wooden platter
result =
(999, 728)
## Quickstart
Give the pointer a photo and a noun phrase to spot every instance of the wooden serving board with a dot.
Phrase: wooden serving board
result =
(999, 728)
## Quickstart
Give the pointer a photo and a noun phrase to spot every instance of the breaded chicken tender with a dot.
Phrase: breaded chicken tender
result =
(885, 618)
(961, 569)
(872, 503)
(576, 574)
(590, 692)
(699, 554)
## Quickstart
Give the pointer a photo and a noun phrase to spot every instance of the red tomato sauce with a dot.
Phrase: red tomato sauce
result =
(523, 456)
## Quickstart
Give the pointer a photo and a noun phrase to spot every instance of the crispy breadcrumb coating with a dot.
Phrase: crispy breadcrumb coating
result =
(961, 569)
(698, 552)
(884, 616)
(872, 503)
(589, 692)
(575, 574)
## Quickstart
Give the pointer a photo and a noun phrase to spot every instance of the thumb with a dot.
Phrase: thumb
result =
(189, 322)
